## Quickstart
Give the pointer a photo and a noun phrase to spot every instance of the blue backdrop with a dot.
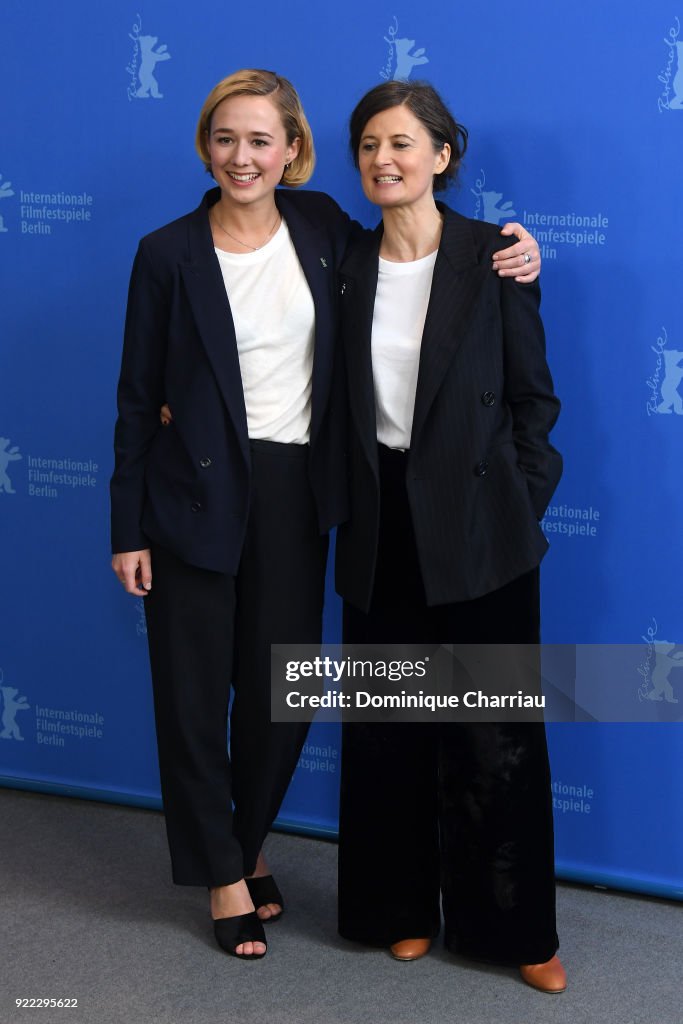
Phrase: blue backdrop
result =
(576, 122)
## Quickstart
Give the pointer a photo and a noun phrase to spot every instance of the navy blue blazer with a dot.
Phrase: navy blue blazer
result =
(186, 486)
(481, 470)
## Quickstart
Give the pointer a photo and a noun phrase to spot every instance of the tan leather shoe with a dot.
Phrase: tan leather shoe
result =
(410, 949)
(547, 977)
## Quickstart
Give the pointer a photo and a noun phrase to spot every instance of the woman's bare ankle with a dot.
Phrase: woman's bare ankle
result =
(230, 900)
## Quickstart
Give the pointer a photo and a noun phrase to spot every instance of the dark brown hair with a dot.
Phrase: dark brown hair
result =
(424, 102)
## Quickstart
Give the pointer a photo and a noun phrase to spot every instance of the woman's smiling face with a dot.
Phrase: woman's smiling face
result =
(248, 148)
(397, 160)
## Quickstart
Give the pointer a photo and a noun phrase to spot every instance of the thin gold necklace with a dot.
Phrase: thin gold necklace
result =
(254, 248)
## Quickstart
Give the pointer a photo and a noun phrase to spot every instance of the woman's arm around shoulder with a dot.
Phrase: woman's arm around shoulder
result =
(522, 259)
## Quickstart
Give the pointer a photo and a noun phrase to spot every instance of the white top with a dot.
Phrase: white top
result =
(397, 325)
(274, 319)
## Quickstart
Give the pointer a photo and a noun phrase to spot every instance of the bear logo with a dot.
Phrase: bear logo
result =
(7, 455)
(10, 729)
(6, 189)
(494, 211)
(671, 398)
(676, 101)
(150, 58)
(405, 60)
(665, 663)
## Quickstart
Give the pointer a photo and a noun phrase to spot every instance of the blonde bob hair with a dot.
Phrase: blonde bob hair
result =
(254, 82)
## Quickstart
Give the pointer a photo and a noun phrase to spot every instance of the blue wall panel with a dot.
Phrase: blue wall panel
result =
(576, 121)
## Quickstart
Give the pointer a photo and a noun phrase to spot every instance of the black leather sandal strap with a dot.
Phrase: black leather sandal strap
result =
(264, 890)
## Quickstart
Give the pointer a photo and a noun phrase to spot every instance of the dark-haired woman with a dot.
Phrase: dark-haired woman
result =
(451, 404)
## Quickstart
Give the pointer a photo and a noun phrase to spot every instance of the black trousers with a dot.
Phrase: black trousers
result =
(208, 630)
(461, 811)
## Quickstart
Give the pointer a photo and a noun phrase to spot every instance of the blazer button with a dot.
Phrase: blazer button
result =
(205, 463)
(481, 468)
(488, 398)
(196, 506)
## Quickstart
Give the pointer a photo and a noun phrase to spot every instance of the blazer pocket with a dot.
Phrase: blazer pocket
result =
(168, 461)
(502, 489)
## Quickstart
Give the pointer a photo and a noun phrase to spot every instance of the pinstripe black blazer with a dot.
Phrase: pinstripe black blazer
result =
(480, 470)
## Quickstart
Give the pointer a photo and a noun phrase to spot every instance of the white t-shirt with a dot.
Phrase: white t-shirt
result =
(274, 319)
(397, 324)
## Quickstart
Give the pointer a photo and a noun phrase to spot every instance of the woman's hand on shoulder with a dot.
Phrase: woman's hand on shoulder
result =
(134, 570)
(522, 260)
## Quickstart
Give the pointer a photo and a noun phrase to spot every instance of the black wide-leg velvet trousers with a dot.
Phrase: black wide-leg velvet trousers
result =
(457, 811)
(208, 631)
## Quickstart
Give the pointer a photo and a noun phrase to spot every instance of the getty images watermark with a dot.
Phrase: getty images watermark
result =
(464, 682)
(407, 682)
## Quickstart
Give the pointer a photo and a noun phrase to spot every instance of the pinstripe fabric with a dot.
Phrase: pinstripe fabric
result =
(481, 469)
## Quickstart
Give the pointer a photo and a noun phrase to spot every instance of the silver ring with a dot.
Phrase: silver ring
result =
(527, 258)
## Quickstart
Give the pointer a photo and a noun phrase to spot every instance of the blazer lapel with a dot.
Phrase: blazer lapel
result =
(359, 273)
(457, 281)
(315, 255)
(211, 310)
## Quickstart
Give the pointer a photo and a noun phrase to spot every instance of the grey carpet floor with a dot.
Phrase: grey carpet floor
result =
(89, 913)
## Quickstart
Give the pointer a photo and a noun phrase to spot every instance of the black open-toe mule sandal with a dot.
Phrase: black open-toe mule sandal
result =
(231, 932)
(264, 890)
